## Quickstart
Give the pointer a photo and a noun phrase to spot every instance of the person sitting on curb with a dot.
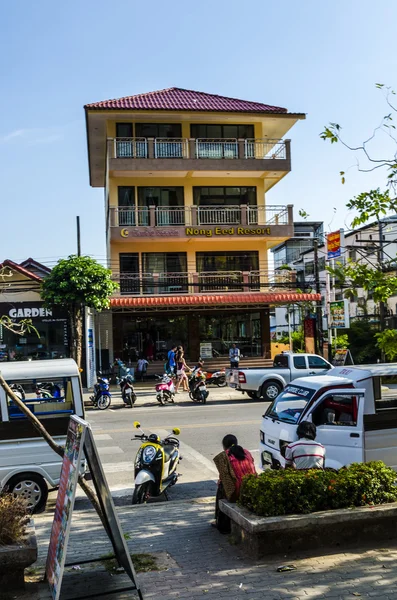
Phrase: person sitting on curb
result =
(306, 453)
(232, 464)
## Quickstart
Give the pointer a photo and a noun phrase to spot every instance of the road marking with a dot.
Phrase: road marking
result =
(119, 467)
(102, 437)
(168, 428)
(110, 450)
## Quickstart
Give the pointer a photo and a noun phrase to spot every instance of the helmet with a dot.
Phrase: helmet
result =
(154, 438)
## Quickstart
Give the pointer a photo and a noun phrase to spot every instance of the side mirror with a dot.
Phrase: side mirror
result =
(176, 431)
(137, 424)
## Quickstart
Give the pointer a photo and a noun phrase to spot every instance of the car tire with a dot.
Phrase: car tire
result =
(31, 487)
(270, 391)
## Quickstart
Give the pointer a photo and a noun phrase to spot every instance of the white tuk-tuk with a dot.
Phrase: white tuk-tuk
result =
(52, 390)
(355, 416)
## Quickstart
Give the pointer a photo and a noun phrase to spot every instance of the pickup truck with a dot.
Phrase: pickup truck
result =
(268, 382)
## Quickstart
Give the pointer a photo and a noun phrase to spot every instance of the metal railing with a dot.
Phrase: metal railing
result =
(130, 148)
(216, 148)
(218, 215)
(269, 149)
(170, 148)
(202, 148)
(204, 282)
(130, 217)
(169, 216)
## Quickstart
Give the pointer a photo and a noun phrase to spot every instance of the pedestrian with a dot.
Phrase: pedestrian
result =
(181, 368)
(234, 356)
(141, 368)
(171, 364)
(232, 464)
(306, 453)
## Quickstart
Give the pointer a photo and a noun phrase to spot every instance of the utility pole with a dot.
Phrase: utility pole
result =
(319, 312)
(78, 236)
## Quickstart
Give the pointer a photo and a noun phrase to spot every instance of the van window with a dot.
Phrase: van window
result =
(44, 398)
(315, 362)
(299, 362)
(336, 411)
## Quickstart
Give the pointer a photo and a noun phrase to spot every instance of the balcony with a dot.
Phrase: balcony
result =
(201, 221)
(158, 284)
(254, 156)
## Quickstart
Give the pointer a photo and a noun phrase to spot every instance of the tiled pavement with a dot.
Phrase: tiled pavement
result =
(206, 565)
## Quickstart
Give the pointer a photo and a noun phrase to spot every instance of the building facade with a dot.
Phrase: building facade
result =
(20, 299)
(186, 177)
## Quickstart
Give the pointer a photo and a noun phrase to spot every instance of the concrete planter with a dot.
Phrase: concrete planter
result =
(260, 536)
(15, 558)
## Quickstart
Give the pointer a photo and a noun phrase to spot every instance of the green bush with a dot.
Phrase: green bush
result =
(288, 492)
(14, 518)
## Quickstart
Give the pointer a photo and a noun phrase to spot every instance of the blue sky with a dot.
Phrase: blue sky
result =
(321, 58)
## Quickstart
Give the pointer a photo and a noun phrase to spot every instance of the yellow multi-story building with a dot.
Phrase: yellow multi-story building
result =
(186, 176)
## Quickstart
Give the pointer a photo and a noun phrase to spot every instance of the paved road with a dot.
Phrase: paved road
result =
(202, 429)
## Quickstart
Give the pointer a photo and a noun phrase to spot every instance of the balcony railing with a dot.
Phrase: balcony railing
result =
(200, 148)
(168, 216)
(204, 282)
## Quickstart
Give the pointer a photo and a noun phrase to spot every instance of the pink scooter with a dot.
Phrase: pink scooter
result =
(165, 389)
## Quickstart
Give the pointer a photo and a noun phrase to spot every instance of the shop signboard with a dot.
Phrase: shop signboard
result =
(64, 505)
(206, 350)
(339, 314)
(342, 357)
(334, 246)
(80, 442)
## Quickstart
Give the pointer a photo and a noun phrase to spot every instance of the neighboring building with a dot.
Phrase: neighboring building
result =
(304, 234)
(188, 223)
(361, 245)
(20, 299)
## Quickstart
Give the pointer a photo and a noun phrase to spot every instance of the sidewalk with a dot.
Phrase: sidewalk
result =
(203, 564)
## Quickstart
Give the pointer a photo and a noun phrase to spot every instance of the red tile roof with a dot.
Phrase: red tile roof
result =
(213, 299)
(180, 99)
(15, 267)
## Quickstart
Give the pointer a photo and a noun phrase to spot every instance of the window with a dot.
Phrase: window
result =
(161, 272)
(129, 273)
(321, 264)
(45, 399)
(300, 362)
(158, 130)
(315, 362)
(337, 410)
(124, 130)
(352, 255)
(227, 261)
(222, 131)
(126, 196)
(160, 196)
(309, 268)
(290, 404)
(229, 196)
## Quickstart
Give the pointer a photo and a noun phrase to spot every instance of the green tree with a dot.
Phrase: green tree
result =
(75, 283)
(387, 342)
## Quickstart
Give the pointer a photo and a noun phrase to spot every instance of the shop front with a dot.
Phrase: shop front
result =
(48, 339)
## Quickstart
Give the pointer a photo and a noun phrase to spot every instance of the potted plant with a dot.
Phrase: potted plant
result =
(18, 545)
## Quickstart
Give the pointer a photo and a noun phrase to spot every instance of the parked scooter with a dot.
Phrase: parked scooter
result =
(197, 386)
(218, 378)
(128, 394)
(156, 463)
(102, 397)
(18, 391)
(165, 389)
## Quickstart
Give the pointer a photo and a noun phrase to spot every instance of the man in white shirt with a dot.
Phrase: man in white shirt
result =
(306, 453)
(234, 356)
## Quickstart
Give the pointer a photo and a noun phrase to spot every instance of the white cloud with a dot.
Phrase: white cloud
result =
(32, 136)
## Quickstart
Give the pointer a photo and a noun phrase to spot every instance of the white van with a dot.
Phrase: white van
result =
(355, 416)
(52, 390)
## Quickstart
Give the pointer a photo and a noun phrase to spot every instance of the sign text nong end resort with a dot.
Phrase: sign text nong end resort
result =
(198, 231)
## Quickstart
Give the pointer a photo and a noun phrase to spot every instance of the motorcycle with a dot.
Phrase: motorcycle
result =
(102, 397)
(156, 465)
(48, 390)
(165, 389)
(218, 378)
(197, 386)
(128, 394)
(18, 391)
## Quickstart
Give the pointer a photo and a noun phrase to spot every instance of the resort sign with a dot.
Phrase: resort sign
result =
(208, 232)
